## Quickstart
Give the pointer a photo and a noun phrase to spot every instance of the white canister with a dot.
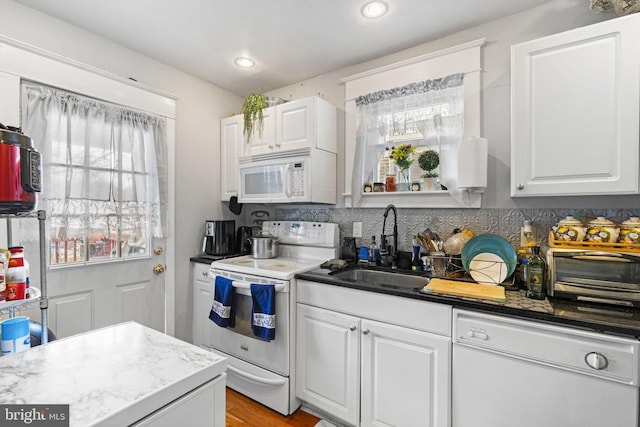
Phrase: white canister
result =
(15, 335)
(630, 231)
(602, 230)
(569, 229)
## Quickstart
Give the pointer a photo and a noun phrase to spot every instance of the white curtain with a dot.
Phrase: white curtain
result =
(432, 108)
(98, 158)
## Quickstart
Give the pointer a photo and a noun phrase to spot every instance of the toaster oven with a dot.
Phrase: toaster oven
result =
(593, 275)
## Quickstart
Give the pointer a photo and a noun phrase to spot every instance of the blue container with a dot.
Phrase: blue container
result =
(16, 336)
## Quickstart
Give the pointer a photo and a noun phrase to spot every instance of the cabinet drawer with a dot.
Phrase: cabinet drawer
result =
(421, 315)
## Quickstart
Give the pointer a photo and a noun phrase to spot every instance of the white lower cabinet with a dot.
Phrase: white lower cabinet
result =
(204, 406)
(328, 362)
(360, 368)
(202, 300)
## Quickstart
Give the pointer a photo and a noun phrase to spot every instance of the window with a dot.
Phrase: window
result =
(407, 115)
(395, 126)
(100, 174)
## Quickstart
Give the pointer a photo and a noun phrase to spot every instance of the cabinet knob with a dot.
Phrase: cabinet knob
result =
(158, 269)
(205, 273)
(365, 331)
(352, 328)
(520, 187)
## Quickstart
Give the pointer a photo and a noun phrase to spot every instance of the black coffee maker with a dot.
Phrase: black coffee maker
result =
(219, 237)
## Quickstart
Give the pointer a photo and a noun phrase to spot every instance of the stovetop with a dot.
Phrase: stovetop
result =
(304, 246)
(284, 268)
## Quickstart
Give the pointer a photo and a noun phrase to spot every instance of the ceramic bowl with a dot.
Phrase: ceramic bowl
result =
(602, 230)
(490, 244)
(569, 229)
(630, 231)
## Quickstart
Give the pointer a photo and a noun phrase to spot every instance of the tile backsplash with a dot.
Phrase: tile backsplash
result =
(503, 222)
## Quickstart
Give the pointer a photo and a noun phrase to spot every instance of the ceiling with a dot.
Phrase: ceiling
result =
(290, 40)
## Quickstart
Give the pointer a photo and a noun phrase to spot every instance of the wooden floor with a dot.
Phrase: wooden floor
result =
(244, 412)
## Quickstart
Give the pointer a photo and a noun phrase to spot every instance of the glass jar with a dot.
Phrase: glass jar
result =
(390, 183)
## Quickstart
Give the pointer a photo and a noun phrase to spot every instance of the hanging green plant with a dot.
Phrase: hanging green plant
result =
(252, 108)
(428, 161)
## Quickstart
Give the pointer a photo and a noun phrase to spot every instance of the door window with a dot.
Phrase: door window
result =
(101, 186)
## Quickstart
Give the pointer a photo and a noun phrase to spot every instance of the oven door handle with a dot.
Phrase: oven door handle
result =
(256, 378)
(246, 285)
(599, 255)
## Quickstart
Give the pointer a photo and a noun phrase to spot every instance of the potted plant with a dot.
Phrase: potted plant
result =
(402, 157)
(252, 108)
(428, 161)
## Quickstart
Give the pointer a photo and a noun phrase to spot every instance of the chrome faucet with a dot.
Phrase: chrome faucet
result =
(393, 254)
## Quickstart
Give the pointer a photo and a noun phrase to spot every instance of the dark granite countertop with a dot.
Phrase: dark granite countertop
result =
(204, 258)
(594, 317)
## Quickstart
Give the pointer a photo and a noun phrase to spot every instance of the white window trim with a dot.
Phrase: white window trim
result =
(464, 58)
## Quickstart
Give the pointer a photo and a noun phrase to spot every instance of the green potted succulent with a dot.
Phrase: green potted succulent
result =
(428, 161)
(252, 108)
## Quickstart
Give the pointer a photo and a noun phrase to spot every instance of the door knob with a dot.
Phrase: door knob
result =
(158, 250)
(158, 269)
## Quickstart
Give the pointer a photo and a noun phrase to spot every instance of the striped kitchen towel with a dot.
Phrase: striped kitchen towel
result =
(223, 311)
(263, 313)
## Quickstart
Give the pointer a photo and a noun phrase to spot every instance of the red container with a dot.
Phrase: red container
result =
(20, 171)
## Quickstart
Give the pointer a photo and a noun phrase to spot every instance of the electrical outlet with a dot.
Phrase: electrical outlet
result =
(357, 229)
(523, 239)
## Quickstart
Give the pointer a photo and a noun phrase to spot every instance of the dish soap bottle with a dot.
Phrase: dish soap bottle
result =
(536, 273)
(374, 252)
(416, 262)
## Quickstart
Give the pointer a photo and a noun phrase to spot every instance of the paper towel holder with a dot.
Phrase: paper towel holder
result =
(472, 161)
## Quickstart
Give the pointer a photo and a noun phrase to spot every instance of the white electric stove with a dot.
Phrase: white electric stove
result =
(265, 370)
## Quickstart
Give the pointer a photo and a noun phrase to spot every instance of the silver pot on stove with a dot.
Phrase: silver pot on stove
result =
(264, 246)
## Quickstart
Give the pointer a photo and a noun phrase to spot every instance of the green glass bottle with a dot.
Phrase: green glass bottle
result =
(536, 274)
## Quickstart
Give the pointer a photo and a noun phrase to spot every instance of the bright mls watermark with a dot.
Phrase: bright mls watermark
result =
(34, 415)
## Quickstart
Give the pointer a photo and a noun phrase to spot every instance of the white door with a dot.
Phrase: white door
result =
(328, 362)
(405, 377)
(88, 296)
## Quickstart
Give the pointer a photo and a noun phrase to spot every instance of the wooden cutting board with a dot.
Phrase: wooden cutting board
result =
(465, 289)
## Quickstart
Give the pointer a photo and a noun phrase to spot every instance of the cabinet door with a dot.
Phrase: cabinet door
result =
(575, 111)
(204, 406)
(230, 146)
(296, 124)
(327, 362)
(405, 377)
(261, 143)
(202, 300)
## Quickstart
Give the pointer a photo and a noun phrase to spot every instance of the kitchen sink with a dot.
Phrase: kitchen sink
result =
(380, 278)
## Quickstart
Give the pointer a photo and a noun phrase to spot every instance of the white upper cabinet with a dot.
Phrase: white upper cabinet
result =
(576, 111)
(260, 142)
(304, 123)
(231, 141)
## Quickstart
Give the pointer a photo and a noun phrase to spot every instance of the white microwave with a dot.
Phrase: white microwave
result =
(299, 176)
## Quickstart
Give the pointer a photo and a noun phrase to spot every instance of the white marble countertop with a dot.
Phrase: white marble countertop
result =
(112, 376)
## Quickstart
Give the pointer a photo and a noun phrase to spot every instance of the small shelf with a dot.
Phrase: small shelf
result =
(7, 306)
(596, 246)
(38, 295)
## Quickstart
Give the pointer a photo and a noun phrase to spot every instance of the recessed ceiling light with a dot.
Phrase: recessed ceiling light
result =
(374, 9)
(244, 62)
